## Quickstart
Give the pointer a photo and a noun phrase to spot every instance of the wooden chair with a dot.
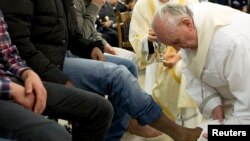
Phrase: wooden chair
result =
(123, 21)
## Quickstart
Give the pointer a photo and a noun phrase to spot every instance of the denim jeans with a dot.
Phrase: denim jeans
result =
(129, 64)
(122, 88)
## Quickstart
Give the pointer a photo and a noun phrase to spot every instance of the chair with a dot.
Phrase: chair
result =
(122, 23)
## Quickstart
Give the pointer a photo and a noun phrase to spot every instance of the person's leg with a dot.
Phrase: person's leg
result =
(124, 92)
(106, 37)
(115, 81)
(91, 112)
(122, 118)
(131, 66)
(113, 35)
(21, 124)
(119, 125)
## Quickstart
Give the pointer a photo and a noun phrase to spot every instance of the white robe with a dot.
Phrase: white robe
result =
(138, 36)
(163, 83)
(225, 77)
(142, 17)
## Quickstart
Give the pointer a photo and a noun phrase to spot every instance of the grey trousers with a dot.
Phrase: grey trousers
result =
(91, 113)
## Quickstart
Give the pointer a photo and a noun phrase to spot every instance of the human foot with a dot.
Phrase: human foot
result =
(188, 135)
(143, 131)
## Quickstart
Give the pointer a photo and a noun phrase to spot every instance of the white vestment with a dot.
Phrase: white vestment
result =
(163, 83)
(224, 78)
(142, 17)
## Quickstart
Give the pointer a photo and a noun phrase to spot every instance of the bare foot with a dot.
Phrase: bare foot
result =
(143, 131)
(188, 134)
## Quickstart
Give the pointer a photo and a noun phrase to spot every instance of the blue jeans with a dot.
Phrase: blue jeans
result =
(122, 88)
(129, 64)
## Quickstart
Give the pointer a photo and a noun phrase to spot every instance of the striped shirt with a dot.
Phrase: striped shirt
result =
(10, 62)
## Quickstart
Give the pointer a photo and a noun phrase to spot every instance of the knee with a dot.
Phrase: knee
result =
(133, 69)
(106, 110)
(101, 111)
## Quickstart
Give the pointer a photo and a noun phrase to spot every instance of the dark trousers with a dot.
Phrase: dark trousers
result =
(111, 36)
(91, 113)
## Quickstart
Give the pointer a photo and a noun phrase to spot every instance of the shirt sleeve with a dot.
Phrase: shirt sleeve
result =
(9, 52)
(237, 74)
(86, 17)
(4, 88)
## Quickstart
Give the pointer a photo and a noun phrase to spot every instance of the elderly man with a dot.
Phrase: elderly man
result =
(43, 32)
(215, 52)
(163, 81)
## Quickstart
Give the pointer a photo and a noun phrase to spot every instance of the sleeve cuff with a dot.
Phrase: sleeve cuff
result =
(209, 107)
(5, 89)
(98, 44)
(19, 72)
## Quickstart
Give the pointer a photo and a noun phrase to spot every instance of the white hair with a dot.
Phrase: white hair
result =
(171, 14)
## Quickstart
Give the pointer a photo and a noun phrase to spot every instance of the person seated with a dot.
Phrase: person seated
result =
(121, 6)
(106, 24)
(23, 98)
(86, 13)
(49, 40)
(240, 5)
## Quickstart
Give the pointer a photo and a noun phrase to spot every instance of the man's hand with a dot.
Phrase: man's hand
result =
(99, 3)
(96, 54)
(218, 113)
(171, 59)
(34, 86)
(19, 96)
(151, 35)
(109, 49)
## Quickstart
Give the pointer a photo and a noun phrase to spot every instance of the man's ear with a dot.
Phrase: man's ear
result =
(187, 22)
